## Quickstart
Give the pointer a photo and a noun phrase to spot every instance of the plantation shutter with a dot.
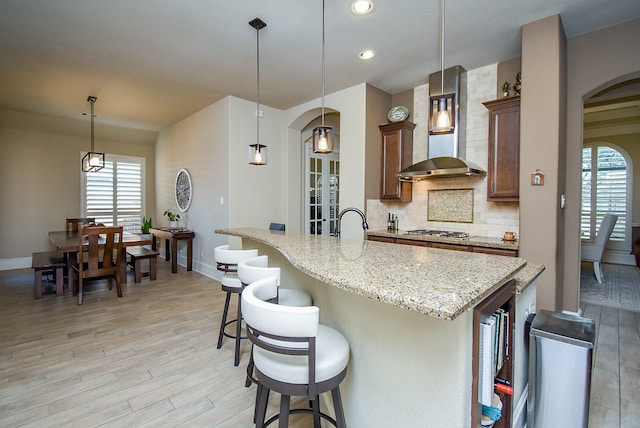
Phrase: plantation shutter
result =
(604, 190)
(114, 195)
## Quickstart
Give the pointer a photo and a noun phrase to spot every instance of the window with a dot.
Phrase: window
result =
(115, 194)
(605, 189)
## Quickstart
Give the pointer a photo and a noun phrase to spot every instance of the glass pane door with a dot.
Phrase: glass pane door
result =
(322, 184)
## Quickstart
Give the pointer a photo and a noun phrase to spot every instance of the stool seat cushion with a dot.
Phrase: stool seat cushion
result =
(331, 358)
(290, 297)
(231, 281)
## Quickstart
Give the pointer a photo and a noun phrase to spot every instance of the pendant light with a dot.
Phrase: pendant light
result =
(92, 161)
(257, 151)
(323, 136)
(441, 106)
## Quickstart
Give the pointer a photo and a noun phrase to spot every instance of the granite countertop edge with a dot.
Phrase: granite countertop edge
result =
(419, 279)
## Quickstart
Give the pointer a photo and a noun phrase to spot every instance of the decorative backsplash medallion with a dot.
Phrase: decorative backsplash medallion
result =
(451, 205)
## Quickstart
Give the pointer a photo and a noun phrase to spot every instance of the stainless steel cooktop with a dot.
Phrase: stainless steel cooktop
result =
(442, 233)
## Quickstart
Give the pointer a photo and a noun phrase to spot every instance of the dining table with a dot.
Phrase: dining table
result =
(66, 242)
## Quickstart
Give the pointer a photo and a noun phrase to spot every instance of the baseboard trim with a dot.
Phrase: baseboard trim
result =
(520, 411)
(17, 263)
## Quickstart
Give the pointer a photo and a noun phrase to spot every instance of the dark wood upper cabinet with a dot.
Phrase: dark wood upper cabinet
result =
(503, 173)
(397, 154)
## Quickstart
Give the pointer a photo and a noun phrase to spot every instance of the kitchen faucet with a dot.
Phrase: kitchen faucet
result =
(365, 226)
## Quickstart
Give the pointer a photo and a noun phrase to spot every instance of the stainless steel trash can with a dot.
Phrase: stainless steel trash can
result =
(560, 361)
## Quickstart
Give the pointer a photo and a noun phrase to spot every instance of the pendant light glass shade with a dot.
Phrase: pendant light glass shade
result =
(257, 154)
(257, 151)
(323, 136)
(441, 117)
(441, 114)
(92, 161)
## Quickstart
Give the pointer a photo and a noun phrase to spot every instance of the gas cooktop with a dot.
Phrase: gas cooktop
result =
(442, 233)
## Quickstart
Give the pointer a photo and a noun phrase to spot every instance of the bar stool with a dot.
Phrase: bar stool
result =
(255, 268)
(227, 261)
(293, 354)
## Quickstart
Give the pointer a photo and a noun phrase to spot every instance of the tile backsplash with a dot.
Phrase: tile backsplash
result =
(490, 219)
(454, 205)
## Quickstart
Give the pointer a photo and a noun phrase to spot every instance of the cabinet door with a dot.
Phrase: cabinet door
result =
(397, 154)
(504, 149)
(380, 239)
(445, 246)
(496, 251)
(413, 242)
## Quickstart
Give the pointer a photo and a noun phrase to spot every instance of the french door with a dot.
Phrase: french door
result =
(322, 192)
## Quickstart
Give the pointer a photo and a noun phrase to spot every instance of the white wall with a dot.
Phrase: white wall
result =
(199, 144)
(40, 170)
(351, 103)
(213, 145)
(594, 61)
(256, 192)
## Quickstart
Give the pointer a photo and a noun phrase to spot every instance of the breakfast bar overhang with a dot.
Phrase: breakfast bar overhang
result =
(404, 310)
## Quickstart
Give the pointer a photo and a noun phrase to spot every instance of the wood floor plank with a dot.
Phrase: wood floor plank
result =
(150, 358)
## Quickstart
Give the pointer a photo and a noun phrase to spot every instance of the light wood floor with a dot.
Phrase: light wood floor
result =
(150, 358)
(147, 359)
(615, 381)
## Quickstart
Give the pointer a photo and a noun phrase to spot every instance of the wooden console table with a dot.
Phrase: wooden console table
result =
(173, 236)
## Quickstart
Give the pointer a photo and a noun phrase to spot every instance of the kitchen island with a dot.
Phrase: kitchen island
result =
(406, 313)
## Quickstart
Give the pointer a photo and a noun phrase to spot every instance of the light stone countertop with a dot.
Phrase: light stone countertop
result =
(435, 282)
(526, 276)
(476, 241)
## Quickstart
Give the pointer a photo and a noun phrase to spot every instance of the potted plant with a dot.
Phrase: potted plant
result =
(146, 226)
(173, 218)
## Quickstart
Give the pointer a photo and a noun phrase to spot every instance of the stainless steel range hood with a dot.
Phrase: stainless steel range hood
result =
(441, 167)
(446, 151)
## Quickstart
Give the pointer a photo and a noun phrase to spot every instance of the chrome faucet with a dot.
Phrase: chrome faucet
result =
(365, 226)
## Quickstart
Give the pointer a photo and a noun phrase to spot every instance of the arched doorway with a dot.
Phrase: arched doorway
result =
(610, 155)
(321, 188)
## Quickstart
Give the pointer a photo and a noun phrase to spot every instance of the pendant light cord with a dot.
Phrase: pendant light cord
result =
(93, 100)
(442, 48)
(322, 62)
(258, 86)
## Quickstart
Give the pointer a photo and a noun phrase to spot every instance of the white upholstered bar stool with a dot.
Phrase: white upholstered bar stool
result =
(227, 261)
(294, 355)
(255, 268)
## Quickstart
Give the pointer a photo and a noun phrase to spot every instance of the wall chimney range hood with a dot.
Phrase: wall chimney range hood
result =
(441, 167)
(446, 150)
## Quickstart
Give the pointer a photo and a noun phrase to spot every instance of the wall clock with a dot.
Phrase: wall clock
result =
(184, 191)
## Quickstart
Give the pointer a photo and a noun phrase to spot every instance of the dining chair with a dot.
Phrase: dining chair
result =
(294, 355)
(593, 252)
(99, 256)
(73, 223)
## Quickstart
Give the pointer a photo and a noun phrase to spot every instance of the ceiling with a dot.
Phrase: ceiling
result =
(152, 63)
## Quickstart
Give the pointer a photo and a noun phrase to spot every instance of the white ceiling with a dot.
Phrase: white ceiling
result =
(152, 63)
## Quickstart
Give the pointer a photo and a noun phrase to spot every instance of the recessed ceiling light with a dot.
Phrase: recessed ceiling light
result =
(367, 54)
(361, 7)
